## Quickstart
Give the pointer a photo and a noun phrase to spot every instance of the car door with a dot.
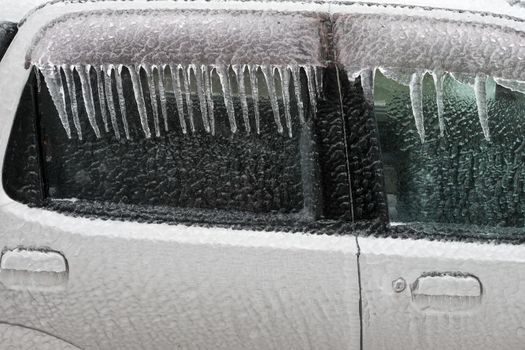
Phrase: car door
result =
(446, 270)
(144, 207)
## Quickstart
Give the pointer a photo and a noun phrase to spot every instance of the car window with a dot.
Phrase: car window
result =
(296, 177)
(465, 165)
(7, 33)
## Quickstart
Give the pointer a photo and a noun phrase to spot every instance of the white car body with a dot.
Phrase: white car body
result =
(158, 286)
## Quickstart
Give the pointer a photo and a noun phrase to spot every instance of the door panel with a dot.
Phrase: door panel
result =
(398, 320)
(145, 286)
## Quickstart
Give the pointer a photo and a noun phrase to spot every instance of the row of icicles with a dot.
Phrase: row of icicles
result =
(201, 76)
(415, 83)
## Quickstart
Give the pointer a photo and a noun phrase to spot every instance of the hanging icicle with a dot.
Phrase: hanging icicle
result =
(139, 99)
(199, 79)
(285, 87)
(296, 77)
(162, 96)
(109, 100)
(254, 84)
(153, 96)
(186, 76)
(56, 90)
(481, 102)
(209, 97)
(367, 83)
(72, 92)
(416, 97)
(121, 100)
(312, 89)
(239, 72)
(439, 77)
(222, 71)
(87, 94)
(101, 97)
(268, 73)
(177, 91)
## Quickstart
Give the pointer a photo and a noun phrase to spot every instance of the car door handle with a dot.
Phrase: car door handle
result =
(447, 291)
(33, 269)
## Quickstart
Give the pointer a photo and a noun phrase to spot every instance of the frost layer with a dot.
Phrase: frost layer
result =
(404, 47)
(189, 47)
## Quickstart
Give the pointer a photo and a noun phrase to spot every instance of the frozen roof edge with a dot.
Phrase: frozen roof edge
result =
(509, 9)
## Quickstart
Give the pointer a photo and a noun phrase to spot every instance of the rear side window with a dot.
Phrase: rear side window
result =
(7, 33)
(466, 169)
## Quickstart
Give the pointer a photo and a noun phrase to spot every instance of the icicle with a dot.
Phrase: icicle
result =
(367, 83)
(268, 75)
(222, 71)
(38, 82)
(209, 97)
(285, 87)
(56, 90)
(202, 96)
(162, 97)
(177, 91)
(254, 84)
(481, 102)
(87, 94)
(310, 77)
(102, 98)
(296, 77)
(110, 101)
(416, 98)
(318, 74)
(139, 98)
(239, 72)
(153, 97)
(187, 89)
(122, 100)
(439, 77)
(72, 91)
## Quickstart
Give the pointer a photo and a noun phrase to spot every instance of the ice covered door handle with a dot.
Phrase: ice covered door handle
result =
(447, 291)
(33, 269)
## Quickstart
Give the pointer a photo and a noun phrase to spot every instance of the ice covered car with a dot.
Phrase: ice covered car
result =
(263, 175)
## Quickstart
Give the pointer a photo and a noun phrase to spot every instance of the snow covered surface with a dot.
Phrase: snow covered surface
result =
(156, 286)
(450, 320)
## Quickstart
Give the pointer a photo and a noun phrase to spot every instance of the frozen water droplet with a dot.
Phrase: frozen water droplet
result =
(72, 92)
(186, 76)
(222, 71)
(177, 91)
(101, 97)
(481, 102)
(153, 97)
(122, 100)
(439, 77)
(254, 84)
(110, 101)
(416, 97)
(56, 90)
(139, 98)
(296, 77)
(162, 96)
(239, 72)
(87, 94)
(270, 83)
(285, 87)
